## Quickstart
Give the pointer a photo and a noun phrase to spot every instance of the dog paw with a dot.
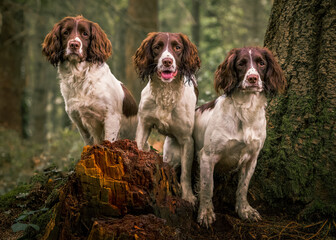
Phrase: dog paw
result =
(206, 217)
(145, 147)
(248, 213)
(190, 197)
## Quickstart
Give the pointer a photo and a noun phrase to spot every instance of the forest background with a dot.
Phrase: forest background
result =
(35, 131)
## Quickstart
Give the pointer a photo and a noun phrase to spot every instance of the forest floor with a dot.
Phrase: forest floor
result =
(26, 210)
(27, 214)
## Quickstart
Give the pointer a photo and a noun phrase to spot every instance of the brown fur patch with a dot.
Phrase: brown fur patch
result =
(130, 107)
(207, 106)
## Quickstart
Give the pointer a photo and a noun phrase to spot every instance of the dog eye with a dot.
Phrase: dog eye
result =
(156, 49)
(85, 34)
(262, 63)
(66, 32)
(177, 48)
(241, 63)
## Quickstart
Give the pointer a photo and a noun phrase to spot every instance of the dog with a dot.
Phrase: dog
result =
(100, 106)
(231, 130)
(169, 61)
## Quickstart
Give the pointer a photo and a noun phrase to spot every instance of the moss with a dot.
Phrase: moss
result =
(318, 210)
(298, 159)
(10, 199)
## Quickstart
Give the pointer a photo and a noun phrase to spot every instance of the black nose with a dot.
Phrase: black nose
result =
(74, 45)
(253, 78)
(167, 62)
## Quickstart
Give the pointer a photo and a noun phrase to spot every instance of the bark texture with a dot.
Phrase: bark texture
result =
(298, 162)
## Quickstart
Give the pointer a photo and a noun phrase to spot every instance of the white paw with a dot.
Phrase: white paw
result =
(190, 197)
(206, 216)
(145, 147)
(246, 212)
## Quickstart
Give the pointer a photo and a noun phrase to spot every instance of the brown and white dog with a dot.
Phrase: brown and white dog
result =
(230, 131)
(100, 106)
(169, 61)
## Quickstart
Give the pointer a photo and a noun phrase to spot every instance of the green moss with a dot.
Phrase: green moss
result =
(318, 210)
(298, 161)
(11, 198)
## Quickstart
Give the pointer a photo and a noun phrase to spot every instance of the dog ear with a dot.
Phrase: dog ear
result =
(275, 81)
(100, 48)
(51, 46)
(143, 58)
(190, 62)
(225, 75)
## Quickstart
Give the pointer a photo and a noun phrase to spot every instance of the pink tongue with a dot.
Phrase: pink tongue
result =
(168, 75)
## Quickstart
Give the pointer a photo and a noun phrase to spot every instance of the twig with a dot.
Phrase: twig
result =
(318, 232)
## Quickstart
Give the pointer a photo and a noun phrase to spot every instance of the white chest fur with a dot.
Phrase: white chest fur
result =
(89, 85)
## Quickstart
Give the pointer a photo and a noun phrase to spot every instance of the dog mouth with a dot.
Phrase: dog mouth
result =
(74, 57)
(167, 75)
(252, 88)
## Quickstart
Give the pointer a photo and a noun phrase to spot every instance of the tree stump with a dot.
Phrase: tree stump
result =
(119, 191)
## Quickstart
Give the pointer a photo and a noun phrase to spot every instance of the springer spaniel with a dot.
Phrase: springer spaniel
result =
(230, 131)
(100, 106)
(169, 61)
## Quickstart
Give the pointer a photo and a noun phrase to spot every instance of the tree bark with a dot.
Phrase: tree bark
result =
(298, 162)
(143, 18)
(12, 83)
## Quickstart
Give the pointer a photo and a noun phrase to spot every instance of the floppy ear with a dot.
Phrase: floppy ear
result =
(52, 46)
(225, 75)
(143, 58)
(100, 46)
(275, 81)
(190, 62)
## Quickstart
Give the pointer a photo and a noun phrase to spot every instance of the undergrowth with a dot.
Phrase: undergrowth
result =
(20, 159)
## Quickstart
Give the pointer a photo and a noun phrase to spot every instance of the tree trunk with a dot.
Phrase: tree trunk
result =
(196, 27)
(143, 18)
(11, 80)
(298, 162)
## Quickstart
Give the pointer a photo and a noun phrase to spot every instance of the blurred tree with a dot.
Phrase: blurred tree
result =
(11, 70)
(196, 27)
(39, 84)
(143, 17)
(299, 158)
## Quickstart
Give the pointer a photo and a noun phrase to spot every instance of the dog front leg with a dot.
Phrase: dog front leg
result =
(186, 165)
(112, 127)
(172, 152)
(75, 118)
(142, 135)
(243, 208)
(206, 214)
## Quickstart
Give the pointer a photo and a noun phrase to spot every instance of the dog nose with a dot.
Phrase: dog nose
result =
(74, 45)
(252, 78)
(167, 62)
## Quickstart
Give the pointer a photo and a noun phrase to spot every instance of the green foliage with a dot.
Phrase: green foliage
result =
(26, 215)
(20, 159)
